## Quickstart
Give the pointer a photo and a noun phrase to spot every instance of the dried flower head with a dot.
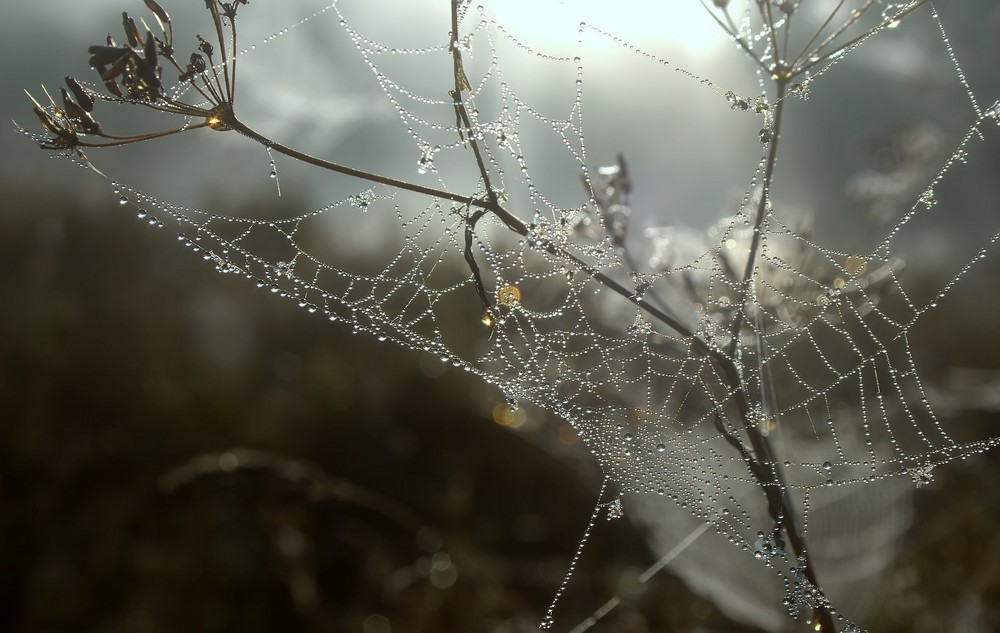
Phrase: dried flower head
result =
(133, 73)
(843, 28)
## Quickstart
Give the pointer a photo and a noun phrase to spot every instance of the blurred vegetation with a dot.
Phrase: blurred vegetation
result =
(390, 500)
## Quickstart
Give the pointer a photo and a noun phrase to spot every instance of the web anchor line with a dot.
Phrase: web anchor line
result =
(643, 578)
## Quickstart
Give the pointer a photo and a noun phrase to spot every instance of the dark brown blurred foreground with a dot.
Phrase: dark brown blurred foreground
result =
(180, 451)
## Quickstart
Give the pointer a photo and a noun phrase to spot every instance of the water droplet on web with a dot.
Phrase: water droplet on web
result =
(661, 447)
(802, 90)
(273, 170)
(927, 198)
(922, 475)
(424, 165)
(827, 466)
(615, 510)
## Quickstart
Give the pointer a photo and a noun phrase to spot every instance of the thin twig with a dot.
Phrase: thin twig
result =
(764, 467)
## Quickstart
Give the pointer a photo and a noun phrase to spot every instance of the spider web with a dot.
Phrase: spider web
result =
(602, 316)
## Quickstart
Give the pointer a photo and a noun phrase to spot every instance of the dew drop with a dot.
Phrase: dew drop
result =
(615, 510)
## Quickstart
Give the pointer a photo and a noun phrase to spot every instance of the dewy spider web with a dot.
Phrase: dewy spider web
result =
(626, 337)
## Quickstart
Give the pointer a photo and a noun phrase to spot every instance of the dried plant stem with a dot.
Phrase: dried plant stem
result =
(508, 219)
(765, 468)
(252, 134)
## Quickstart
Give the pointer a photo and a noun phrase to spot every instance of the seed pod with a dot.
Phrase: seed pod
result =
(116, 69)
(104, 55)
(72, 108)
(157, 11)
(198, 64)
(149, 84)
(46, 120)
(111, 85)
(205, 46)
(150, 49)
(82, 96)
(88, 124)
(131, 30)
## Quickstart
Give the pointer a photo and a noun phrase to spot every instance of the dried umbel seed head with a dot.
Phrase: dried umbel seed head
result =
(136, 66)
(228, 8)
(132, 73)
(220, 119)
(775, 17)
(65, 124)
